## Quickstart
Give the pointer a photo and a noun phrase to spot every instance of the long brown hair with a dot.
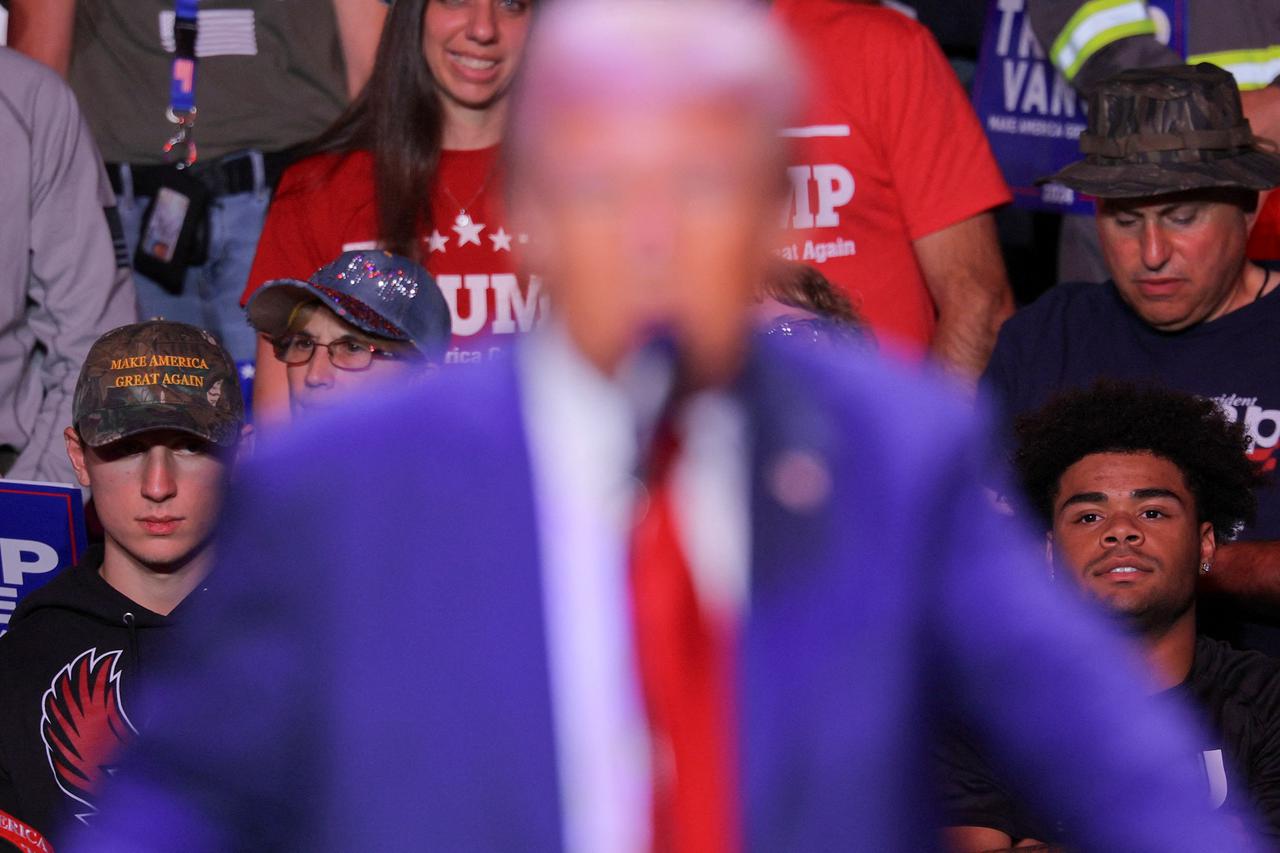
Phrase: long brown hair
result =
(398, 117)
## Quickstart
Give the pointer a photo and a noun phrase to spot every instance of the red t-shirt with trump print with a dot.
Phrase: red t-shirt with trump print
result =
(889, 152)
(325, 206)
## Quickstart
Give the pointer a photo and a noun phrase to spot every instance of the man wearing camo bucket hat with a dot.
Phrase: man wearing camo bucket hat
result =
(363, 318)
(158, 418)
(1177, 172)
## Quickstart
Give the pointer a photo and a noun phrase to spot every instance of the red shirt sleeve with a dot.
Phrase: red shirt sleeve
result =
(940, 159)
(1264, 240)
(304, 229)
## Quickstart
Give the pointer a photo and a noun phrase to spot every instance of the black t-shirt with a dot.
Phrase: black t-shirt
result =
(1078, 333)
(1238, 694)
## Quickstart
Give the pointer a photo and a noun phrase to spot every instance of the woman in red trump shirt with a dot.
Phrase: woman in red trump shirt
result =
(412, 167)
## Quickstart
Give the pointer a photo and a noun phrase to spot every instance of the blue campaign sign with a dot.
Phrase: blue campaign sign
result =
(246, 371)
(1032, 115)
(41, 533)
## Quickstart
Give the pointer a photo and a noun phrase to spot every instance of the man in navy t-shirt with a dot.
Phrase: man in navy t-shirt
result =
(1176, 173)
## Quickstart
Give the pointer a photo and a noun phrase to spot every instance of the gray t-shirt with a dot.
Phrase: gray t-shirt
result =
(269, 74)
(62, 284)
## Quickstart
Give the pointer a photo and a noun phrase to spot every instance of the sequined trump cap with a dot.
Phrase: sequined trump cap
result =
(158, 375)
(377, 292)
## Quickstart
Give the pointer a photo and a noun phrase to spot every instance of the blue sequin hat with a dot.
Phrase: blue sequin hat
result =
(375, 291)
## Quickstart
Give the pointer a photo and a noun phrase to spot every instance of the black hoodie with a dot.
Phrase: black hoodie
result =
(69, 671)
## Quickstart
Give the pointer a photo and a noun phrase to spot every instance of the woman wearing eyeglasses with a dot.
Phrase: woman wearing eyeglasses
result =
(360, 320)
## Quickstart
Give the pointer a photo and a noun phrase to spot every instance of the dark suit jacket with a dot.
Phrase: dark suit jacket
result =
(373, 674)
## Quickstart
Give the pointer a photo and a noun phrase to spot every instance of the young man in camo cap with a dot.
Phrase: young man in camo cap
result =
(158, 418)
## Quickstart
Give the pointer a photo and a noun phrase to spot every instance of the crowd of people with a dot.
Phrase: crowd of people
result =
(477, 465)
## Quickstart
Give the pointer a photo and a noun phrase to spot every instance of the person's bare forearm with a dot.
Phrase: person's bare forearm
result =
(270, 390)
(966, 335)
(965, 275)
(981, 839)
(359, 28)
(42, 30)
(975, 839)
(1249, 572)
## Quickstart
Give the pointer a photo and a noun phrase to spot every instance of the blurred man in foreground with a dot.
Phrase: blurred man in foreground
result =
(1137, 489)
(447, 643)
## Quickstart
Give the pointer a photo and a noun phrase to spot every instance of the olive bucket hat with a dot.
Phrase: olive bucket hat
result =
(1153, 131)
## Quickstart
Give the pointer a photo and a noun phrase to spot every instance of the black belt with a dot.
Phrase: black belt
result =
(227, 175)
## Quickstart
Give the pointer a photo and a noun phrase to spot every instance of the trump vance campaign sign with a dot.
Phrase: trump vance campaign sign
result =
(41, 532)
(1032, 115)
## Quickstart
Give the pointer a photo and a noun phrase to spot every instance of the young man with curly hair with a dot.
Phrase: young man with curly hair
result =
(1136, 488)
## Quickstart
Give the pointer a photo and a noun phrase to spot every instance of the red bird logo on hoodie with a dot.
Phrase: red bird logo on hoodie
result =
(84, 725)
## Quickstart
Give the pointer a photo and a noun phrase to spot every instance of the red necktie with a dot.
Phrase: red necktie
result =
(686, 665)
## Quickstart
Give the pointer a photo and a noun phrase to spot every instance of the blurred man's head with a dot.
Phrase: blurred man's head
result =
(157, 419)
(646, 164)
(362, 319)
(1137, 487)
(1176, 171)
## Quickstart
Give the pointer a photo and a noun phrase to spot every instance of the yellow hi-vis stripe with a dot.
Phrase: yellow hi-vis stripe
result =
(1253, 68)
(1095, 25)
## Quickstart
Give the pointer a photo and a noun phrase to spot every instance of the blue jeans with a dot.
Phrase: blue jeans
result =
(210, 295)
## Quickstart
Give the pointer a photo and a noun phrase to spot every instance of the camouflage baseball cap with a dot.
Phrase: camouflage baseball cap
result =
(158, 375)
(1162, 130)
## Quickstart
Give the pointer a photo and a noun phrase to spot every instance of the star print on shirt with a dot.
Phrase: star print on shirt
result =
(469, 232)
(437, 241)
(501, 240)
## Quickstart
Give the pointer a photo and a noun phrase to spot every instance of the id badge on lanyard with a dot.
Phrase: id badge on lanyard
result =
(174, 235)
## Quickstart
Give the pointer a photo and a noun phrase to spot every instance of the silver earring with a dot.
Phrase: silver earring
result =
(1204, 568)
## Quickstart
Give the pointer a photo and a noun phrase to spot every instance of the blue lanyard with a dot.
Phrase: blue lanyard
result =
(182, 84)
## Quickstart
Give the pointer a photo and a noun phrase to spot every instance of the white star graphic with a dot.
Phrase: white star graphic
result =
(246, 371)
(469, 233)
(437, 241)
(501, 240)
